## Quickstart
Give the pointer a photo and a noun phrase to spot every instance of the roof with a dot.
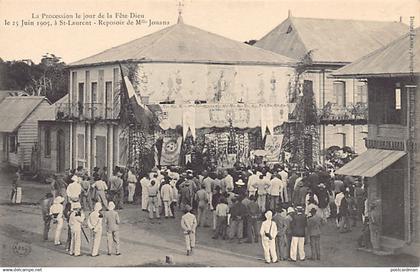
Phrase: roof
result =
(185, 44)
(15, 109)
(7, 93)
(392, 59)
(64, 99)
(370, 163)
(331, 40)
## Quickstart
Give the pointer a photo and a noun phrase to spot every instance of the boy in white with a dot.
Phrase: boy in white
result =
(56, 213)
(189, 224)
(268, 234)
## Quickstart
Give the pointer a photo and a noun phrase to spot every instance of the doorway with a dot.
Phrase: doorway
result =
(100, 151)
(61, 151)
(392, 182)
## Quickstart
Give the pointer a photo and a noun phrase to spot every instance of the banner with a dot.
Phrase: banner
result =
(188, 121)
(273, 147)
(171, 150)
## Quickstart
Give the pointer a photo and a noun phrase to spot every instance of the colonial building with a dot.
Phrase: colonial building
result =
(322, 46)
(19, 117)
(392, 161)
(198, 80)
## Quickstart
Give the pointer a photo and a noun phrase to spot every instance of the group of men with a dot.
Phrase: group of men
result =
(278, 206)
(69, 199)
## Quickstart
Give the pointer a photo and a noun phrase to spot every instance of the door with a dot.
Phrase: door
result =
(392, 182)
(108, 99)
(61, 151)
(100, 151)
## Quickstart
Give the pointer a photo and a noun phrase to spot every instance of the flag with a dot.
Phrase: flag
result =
(171, 150)
(132, 107)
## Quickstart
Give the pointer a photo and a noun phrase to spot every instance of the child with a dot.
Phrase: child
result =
(189, 224)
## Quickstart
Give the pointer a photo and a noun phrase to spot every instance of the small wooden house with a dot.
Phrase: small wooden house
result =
(19, 116)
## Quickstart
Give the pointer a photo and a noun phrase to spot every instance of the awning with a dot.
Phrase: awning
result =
(370, 163)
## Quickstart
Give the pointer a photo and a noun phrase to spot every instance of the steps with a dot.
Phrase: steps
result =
(392, 245)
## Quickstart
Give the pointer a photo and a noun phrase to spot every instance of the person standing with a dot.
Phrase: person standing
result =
(262, 187)
(221, 212)
(46, 203)
(253, 215)
(101, 188)
(16, 194)
(132, 180)
(189, 225)
(144, 182)
(268, 234)
(208, 182)
(174, 197)
(252, 181)
(74, 190)
(202, 206)
(374, 225)
(56, 214)
(275, 188)
(153, 207)
(344, 214)
(298, 228)
(315, 221)
(85, 199)
(76, 219)
(238, 213)
(166, 194)
(281, 239)
(338, 197)
(95, 225)
(112, 221)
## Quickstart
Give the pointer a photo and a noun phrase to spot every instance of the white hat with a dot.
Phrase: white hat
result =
(290, 210)
(75, 205)
(59, 199)
(240, 182)
(111, 206)
(75, 178)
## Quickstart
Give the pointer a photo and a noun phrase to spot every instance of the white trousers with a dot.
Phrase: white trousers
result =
(144, 199)
(297, 246)
(131, 189)
(96, 241)
(58, 229)
(269, 247)
(166, 205)
(76, 241)
(189, 240)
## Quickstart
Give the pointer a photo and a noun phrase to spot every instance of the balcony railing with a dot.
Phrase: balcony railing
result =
(333, 113)
(85, 111)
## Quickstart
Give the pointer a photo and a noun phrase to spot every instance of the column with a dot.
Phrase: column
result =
(88, 137)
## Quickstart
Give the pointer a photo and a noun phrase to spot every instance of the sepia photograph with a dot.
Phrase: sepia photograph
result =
(205, 134)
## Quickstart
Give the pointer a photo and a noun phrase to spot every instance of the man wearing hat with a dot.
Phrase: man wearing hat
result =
(153, 190)
(76, 219)
(298, 229)
(112, 221)
(274, 190)
(95, 225)
(56, 214)
(115, 188)
(74, 189)
(189, 225)
(268, 234)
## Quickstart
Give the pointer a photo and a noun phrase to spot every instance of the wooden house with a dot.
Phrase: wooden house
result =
(19, 117)
(392, 162)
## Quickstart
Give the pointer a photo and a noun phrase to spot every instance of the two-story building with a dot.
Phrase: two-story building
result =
(392, 162)
(323, 46)
(200, 80)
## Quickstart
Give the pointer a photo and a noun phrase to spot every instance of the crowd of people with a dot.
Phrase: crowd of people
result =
(277, 205)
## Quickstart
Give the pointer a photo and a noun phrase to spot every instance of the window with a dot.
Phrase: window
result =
(339, 89)
(81, 92)
(12, 144)
(80, 146)
(397, 98)
(94, 92)
(362, 93)
(47, 143)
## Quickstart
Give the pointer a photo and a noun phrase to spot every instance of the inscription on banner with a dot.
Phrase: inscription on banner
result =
(222, 116)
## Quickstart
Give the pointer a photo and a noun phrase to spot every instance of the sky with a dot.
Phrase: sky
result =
(236, 19)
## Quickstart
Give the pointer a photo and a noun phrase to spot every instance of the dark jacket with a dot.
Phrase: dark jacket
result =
(314, 225)
(238, 211)
(344, 207)
(298, 225)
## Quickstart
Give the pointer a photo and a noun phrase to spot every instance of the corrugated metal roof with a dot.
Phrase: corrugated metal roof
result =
(185, 43)
(370, 163)
(332, 40)
(392, 59)
(15, 109)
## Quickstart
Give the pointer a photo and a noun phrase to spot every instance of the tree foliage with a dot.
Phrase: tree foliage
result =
(47, 78)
